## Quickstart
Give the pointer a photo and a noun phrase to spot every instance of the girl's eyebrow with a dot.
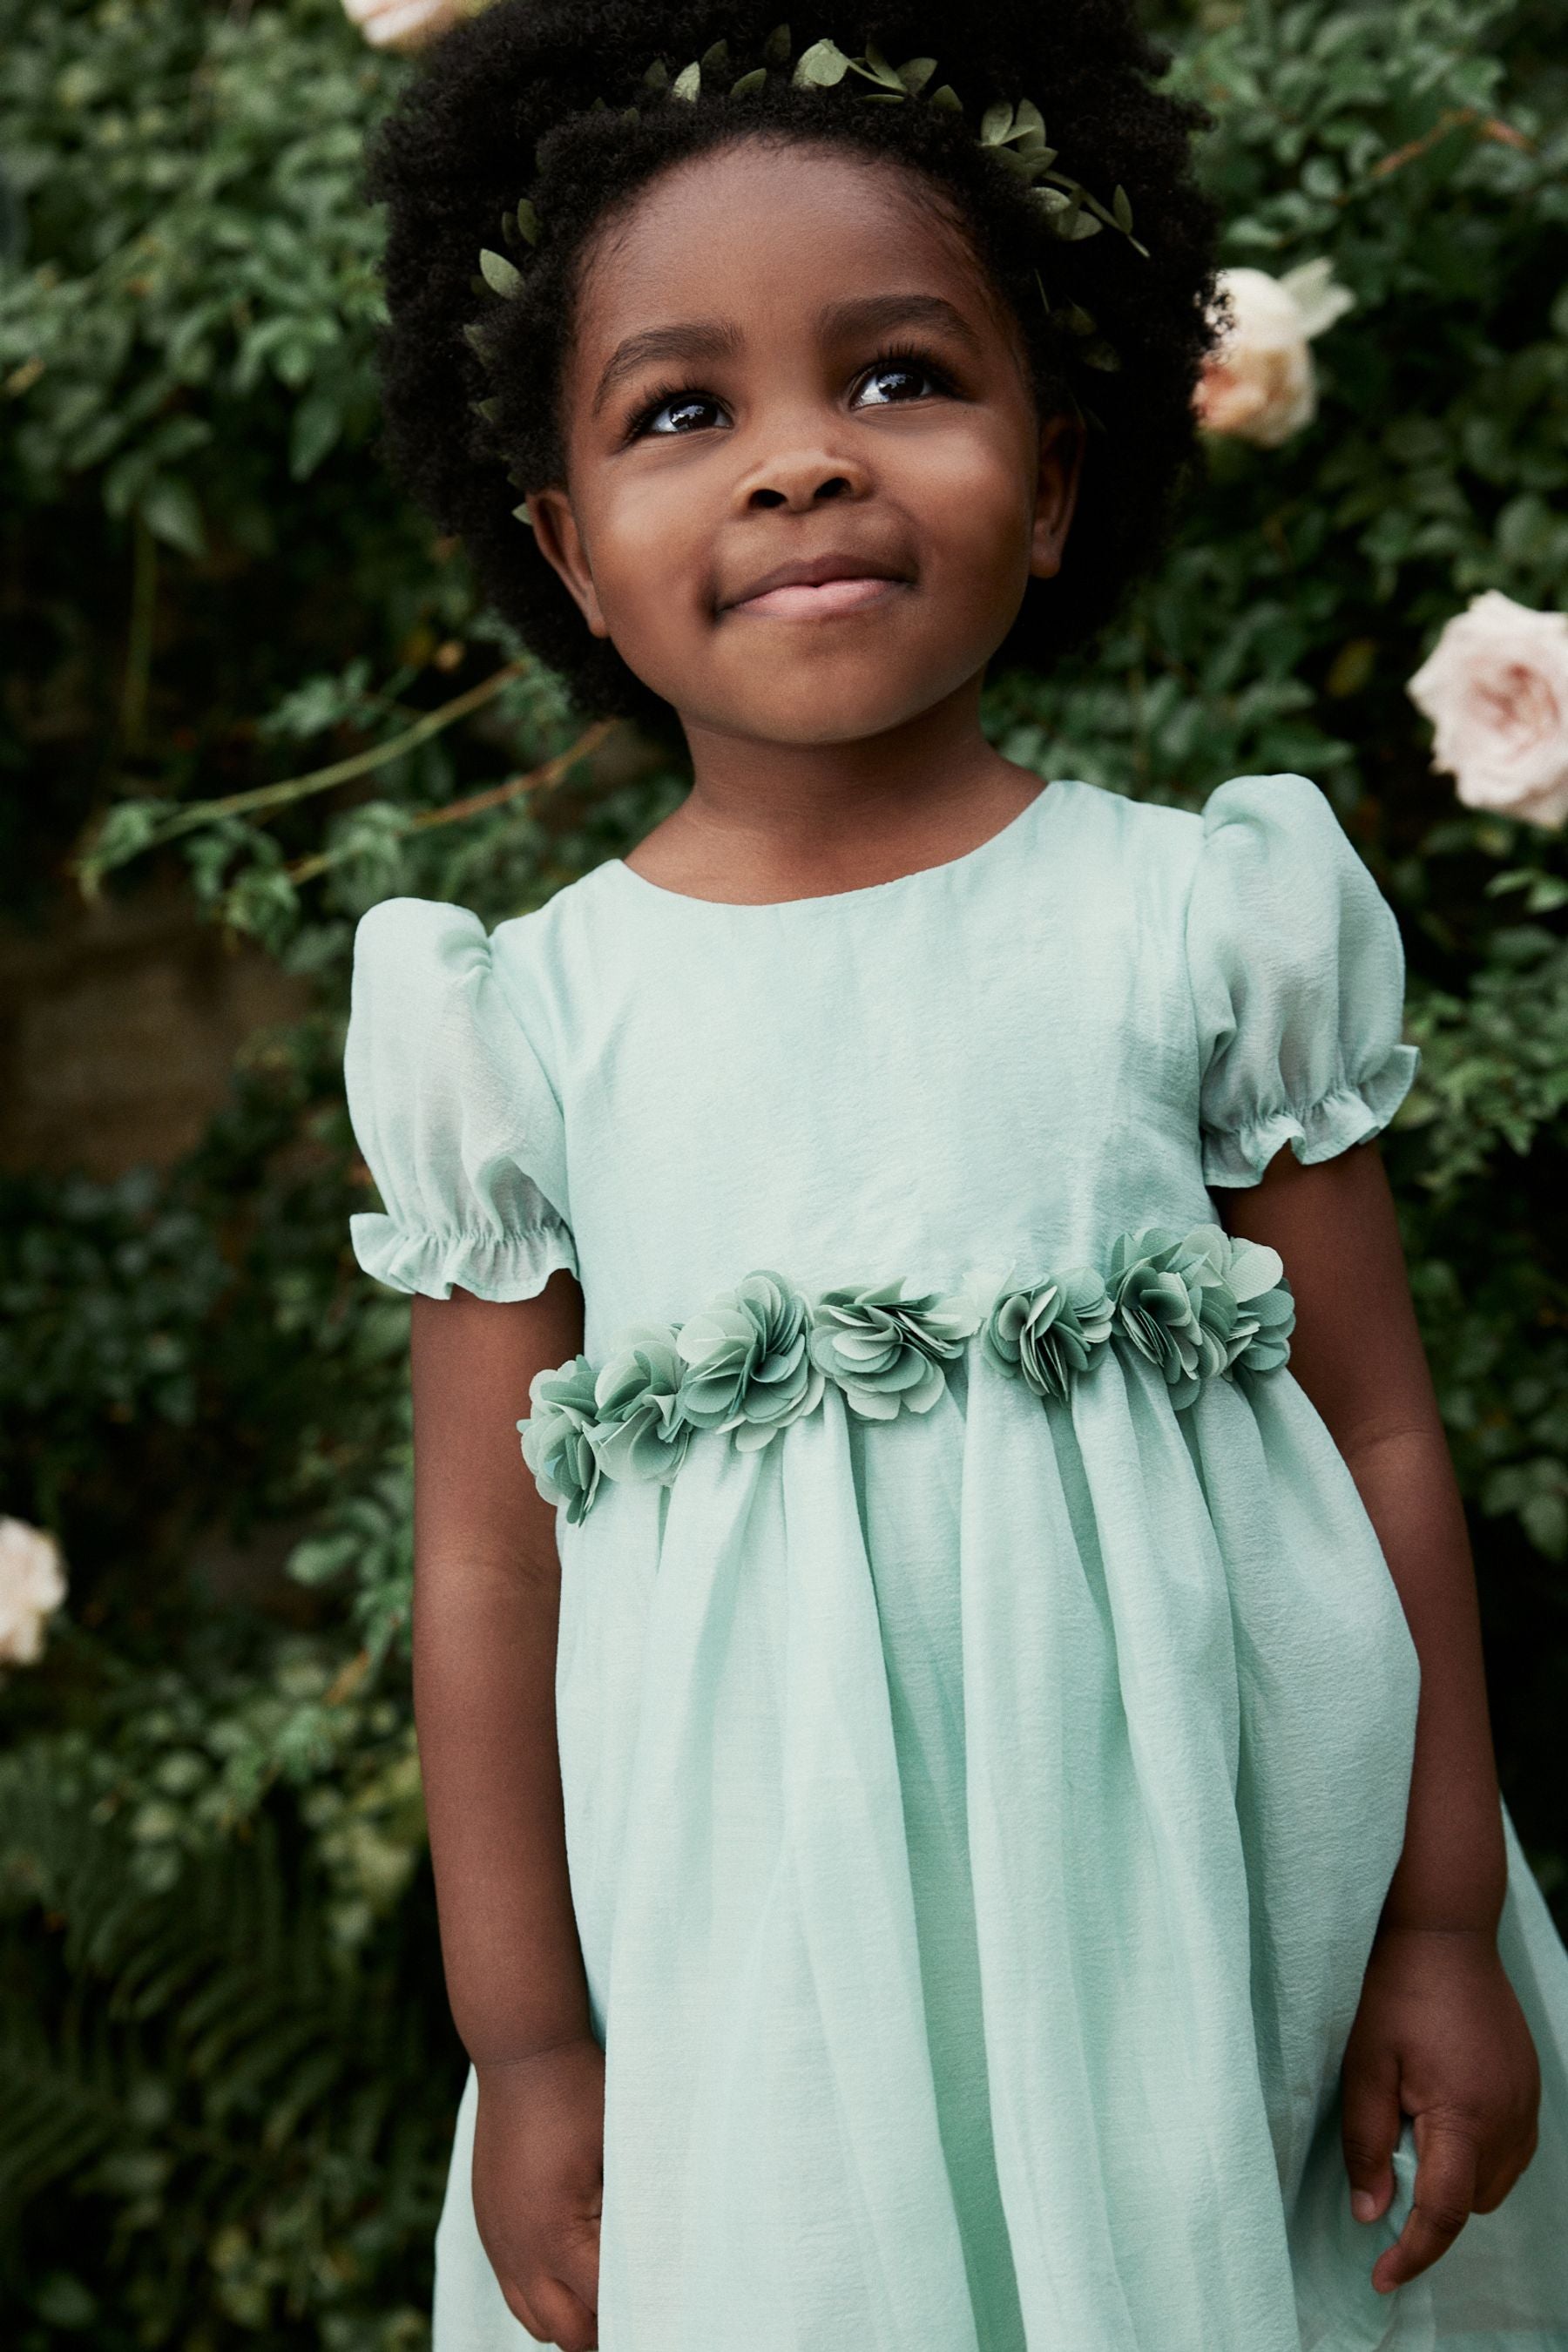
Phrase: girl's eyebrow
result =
(875, 314)
(700, 339)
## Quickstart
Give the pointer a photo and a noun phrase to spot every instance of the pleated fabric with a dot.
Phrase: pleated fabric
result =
(978, 1822)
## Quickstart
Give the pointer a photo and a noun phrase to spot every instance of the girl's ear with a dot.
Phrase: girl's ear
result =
(1056, 493)
(561, 544)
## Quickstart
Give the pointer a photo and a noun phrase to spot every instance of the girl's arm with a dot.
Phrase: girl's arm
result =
(485, 1602)
(1439, 2033)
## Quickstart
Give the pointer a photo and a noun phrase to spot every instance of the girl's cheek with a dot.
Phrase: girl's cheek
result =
(975, 511)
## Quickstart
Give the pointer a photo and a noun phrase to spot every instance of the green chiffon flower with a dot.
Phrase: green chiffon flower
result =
(1048, 1335)
(557, 1443)
(748, 1368)
(1247, 1301)
(640, 1435)
(1156, 1290)
(885, 1351)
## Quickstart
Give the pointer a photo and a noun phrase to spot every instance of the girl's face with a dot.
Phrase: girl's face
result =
(806, 484)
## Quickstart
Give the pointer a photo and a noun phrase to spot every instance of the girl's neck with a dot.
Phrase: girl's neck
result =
(772, 820)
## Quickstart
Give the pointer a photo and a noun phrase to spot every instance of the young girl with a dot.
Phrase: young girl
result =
(937, 1846)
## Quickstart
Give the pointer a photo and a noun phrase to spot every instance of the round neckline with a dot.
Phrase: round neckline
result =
(965, 859)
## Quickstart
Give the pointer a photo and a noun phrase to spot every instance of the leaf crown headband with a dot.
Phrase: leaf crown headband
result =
(1013, 134)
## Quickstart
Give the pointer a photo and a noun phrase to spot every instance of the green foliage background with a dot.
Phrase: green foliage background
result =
(226, 2065)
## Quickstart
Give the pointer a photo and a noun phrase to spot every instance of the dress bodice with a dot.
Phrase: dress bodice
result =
(996, 1063)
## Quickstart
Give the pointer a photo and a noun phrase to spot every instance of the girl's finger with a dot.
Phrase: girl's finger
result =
(567, 2321)
(521, 2310)
(1446, 2161)
(1369, 2126)
(576, 2265)
(1496, 2179)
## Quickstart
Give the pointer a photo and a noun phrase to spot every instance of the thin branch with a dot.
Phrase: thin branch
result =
(1454, 117)
(265, 797)
(536, 780)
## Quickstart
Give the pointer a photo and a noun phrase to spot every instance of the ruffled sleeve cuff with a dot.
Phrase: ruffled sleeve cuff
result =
(455, 1115)
(503, 1267)
(1320, 1130)
(1297, 984)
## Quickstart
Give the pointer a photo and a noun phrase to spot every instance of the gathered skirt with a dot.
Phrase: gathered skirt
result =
(978, 1824)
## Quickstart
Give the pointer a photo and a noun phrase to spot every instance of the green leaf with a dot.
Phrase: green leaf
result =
(823, 66)
(1121, 210)
(750, 83)
(1028, 122)
(527, 221)
(657, 75)
(996, 124)
(317, 425)
(1546, 1518)
(501, 276)
(915, 73)
(776, 47)
(687, 82)
(716, 60)
(168, 507)
(947, 98)
(875, 67)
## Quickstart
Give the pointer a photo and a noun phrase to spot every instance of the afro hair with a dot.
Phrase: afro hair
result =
(550, 99)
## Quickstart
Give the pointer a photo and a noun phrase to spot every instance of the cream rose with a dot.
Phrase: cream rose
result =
(1495, 686)
(32, 1583)
(406, 23)
(1258, 384)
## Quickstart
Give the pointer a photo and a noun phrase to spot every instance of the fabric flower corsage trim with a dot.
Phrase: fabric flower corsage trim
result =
(1198, 1306)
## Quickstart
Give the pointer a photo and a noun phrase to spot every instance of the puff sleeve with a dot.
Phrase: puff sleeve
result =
(1298, 981)
(453, 1112)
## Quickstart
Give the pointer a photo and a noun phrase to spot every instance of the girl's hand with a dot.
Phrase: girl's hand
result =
(1439, 2035)
(539, 2151)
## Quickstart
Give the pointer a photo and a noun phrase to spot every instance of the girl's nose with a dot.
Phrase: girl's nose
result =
(810, 477)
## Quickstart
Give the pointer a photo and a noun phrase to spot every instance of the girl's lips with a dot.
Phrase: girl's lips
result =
(820, 600)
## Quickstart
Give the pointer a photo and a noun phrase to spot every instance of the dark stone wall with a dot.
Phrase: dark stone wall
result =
(118, 1026)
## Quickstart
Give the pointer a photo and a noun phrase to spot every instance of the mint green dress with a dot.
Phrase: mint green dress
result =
(980, 1795)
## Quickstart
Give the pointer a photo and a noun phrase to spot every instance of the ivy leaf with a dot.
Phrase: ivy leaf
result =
(501, 276)
(823, 66)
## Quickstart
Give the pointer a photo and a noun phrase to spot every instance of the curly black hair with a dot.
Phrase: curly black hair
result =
(533, 97)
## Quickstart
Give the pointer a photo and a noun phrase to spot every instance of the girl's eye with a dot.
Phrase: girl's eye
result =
(682, 411)
(891, 381)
